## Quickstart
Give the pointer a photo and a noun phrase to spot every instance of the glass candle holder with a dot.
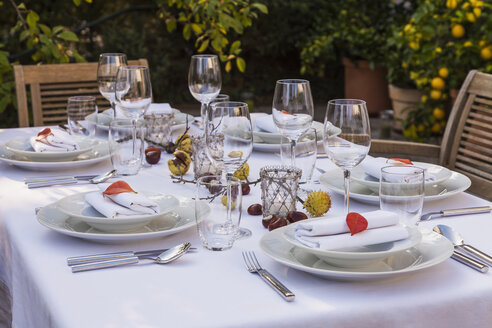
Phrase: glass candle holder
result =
(158, 127)
(279, 189)
(201, 163)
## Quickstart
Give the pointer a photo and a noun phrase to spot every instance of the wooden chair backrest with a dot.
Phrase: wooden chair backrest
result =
(467, 142)
(51, 86)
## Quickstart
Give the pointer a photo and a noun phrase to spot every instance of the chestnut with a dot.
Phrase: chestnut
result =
(255, 209)
(268, 219)
(279, 222)
(152, 155)
(245, 189)
(294, 216)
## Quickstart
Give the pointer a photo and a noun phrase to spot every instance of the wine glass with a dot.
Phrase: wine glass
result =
(133, 94)
(292, 110)
(346, 136)
(106, 75)
(203, 110)
(229, 141)
(204, 79)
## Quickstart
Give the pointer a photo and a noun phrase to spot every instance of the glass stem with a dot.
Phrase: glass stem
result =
(134, 136)
(204, 112)
(229, 200)
(346, 180)
(292, 152)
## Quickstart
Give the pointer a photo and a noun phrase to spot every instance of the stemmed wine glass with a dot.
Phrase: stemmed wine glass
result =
(346, 136)
(229, 140)
(106, 75)
(133, 94)
(292, 110)
(204, 79)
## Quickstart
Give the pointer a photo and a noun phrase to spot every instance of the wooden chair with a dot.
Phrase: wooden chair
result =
(50, 87)
(467, 140)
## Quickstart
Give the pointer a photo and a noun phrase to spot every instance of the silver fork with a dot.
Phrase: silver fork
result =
(254, 266)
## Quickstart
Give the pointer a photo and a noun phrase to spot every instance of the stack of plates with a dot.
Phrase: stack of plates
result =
(365, 188)
(422, 249)
(72, 216)
(19, 152)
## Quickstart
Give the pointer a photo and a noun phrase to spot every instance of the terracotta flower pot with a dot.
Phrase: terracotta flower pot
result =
(370, 85)
(403, 100)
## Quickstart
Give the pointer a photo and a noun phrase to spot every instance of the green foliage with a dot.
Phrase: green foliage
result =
(212, 24)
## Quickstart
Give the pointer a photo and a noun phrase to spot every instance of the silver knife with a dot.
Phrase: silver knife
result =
(458, 211)
(52, 178)
(76, 260)
(468, 261)
(51, 183)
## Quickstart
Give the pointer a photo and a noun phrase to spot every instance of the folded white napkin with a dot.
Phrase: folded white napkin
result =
(264, 122)
(123, 204)
(338, 224)
(364, 238)
(56, 141)
(159, 108)
(373, 166)
(333, 233)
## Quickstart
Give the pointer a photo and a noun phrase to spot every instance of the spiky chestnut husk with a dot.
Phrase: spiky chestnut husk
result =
(317, 203)
(183, 142)
(243, 172)
(180, 164)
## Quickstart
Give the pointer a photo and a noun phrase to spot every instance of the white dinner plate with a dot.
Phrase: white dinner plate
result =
(76, 207)
(182, 218)
(22, 147)
(439, 172)
(432, 249)
(97, 154)
(356, 256)
(333, 179)
(268, 142)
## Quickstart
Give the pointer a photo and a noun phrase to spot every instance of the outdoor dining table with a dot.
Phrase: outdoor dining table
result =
(214, 289)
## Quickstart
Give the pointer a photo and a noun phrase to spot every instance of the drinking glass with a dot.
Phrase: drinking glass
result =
(203, 111)
(204, 79)
(78, 108)
(346, 136)
(218, 226)
(306, 151)
(292, 110)
(133, 92)
(106, 75)
(401, 190)
(229, 139)
(126, 152)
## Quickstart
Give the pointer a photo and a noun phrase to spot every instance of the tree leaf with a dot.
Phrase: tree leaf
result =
(187, 31)
(261, 7)
(196, 28)
(241, 64)
(76, 2)
(46, 30)
(235, 46)
(171, 24)
(228, 66)
(32, 18)
(204, 46)
(57, 29)
(68, 36)
(24, 34)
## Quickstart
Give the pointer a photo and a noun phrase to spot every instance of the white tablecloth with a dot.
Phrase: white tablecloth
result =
(213, 289)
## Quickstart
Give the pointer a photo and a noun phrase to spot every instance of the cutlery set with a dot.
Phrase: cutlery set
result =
(67, 180)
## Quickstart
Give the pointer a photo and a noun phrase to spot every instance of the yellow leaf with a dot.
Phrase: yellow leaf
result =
(228, 66)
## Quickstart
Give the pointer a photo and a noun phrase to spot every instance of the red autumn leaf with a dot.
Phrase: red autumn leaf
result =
(43, 134)
(356, 223)
(117, 188)
(402, 160)
(286, 112)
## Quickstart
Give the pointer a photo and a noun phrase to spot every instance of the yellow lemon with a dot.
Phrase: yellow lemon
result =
(458, 31)
(438, 113)
(438, 50)
(467, 44)
(407, 28)
(470, 17)
(482, 43)
(437, 83)
(414, 45)
(436, 128)
(407, 133)
(435, 94)
(421, 128)
(479, 4)
(423, 99)
(451, 4)
(486, 53)
(477, 12)
(404, 65)
(443, 72)
(465, 5)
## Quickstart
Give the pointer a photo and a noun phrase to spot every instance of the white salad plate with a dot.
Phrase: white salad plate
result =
(355, 256)
(76, 207)
(182, 218)
(333, 180)
(432, 250)
(22, 147)
(98, 154)
(440, 173)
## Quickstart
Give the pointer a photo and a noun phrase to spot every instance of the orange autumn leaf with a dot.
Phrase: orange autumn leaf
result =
(286, 112)
(117, 188)
(401, 160)
(43, 134)
(356, 223)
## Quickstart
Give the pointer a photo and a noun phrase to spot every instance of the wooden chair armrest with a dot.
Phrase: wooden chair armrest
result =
(404, 148)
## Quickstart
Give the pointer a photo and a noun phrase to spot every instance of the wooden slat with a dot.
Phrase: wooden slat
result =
(480, 132)
(466, 151)
(55, 119)
(482, 84)
(481, 117)
(65, 92)
(37, 111)
(478, 123)
(404, 148)
(475, 171)
(54, 112)
(65, 98)
(478, 163)
(476, 138)
(57, 86)
(20, 88)
(477, 147)
(482, 109)
(485, 101)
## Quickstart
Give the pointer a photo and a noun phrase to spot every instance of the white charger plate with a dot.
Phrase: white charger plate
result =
(98, 154)
(182, 218)
(76, 207)
(441, 173)
(333, 179)
(432, 250)
(356, 256)
(22, 147)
